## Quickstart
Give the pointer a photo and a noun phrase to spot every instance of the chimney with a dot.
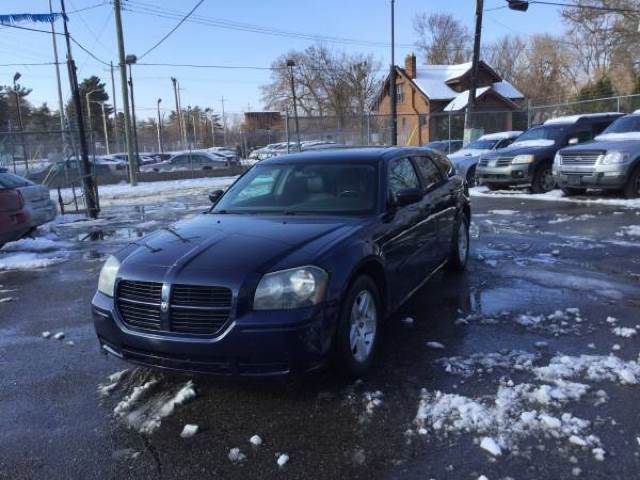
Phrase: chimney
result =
(410, 65)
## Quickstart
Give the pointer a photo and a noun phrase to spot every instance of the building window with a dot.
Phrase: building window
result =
(400, 93)
(422, 119)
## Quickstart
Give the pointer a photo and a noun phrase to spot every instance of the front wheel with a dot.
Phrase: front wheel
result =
(358, 327)
(543, 180)
(459, 250)
(632, 188)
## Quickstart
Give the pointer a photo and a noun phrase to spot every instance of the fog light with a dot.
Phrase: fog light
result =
(518, 174)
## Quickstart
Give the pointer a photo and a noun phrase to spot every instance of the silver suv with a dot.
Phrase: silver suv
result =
(611, 161)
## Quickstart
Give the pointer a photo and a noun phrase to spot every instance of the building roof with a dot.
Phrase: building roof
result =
(432, 81)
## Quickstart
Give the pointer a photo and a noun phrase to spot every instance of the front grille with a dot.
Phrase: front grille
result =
(504, 161)
(580, 158)
(198, 310)
(483, 162)
(139, 304)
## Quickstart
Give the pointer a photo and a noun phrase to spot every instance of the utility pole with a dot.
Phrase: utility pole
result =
(224, 124)
(89, 187)
(133, 163)
(90, 123)
(392, 79)
(174, 81)
(159, 128)
(183, 124)
(291, 64)
(130, 60)
(470, 123)
(115, 108)
(104, 128)
(55, 59)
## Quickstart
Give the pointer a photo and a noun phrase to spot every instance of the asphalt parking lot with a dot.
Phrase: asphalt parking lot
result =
(531, 349)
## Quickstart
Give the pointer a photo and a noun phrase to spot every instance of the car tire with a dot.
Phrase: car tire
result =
(632, 188)
(570, 192)
(358, 330)
(459, 249)
(543, 180)
(493, 187)
(471, 177)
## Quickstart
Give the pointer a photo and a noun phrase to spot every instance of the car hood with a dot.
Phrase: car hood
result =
(472, 152)
(608, 145)
(226, 248)
(522, 149)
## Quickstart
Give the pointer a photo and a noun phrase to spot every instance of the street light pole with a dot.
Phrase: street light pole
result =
(291, 64)
(159, 127)
(104, 128)
(16, 77)
(89, 122)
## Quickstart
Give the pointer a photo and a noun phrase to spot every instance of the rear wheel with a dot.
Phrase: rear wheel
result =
(569, 192)
(632, 188)
(459, 250)
(471, 177)
(357, 335)
(543, 179)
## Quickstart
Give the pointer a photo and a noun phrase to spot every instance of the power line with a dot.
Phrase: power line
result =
(182, 20)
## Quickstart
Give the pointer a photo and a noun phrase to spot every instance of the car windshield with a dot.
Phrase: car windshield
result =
(544, 132)
(481, 145)
(320, 188)
(624, 125)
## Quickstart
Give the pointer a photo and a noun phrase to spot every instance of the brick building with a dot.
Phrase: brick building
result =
(433, 97)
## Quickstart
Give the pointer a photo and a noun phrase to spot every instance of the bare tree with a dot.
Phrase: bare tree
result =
(326, 83)
(507, 55)
(442, 38)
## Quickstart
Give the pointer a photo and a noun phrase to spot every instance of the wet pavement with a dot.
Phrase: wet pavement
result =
(529, 258)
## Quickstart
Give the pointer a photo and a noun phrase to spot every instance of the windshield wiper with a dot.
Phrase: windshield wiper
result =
(171, 230)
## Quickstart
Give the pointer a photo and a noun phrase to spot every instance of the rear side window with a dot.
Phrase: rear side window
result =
(429, 172)
(443, 164)
(402, 175)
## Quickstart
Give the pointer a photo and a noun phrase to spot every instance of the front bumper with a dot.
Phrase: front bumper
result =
(604, 177)
(518, 174)
(257, 344)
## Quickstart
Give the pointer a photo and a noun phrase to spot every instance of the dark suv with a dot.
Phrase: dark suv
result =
(529, 160)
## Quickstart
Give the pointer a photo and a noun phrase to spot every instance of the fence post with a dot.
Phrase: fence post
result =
(368, 128)
(528, 114)
(618, 104)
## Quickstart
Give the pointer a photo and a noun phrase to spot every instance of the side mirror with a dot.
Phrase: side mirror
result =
(573, 141)
(215, 196)
(407, 196)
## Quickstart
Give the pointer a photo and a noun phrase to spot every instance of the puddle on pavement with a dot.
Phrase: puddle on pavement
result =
(125, 234)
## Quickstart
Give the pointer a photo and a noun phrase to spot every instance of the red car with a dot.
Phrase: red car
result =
(14, 218)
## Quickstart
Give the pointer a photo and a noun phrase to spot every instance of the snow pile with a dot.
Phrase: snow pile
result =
(630, 231)
(595, 368)
(236, 456)
(625, 332)
(372, 400)
(148, 403)
(30, 261)
(514, 413)
(559, 322)
(153, 192)
(38, 245)
(189, 430)
(503, 212)
(562, 218)
(487, 362)
(256, 441)
(282, 460)
(104, 389)
(435, 345)
(553, 196)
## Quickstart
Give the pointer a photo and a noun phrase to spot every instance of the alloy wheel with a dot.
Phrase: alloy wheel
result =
(548, 181)
(463, 243)
(363, 326)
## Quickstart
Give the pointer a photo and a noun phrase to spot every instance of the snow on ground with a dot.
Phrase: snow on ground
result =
(554, 196)
(503, 212)
(595, 368)
(152, 192)
(487, 362)
(149, 399)
(625, 332)
(559, 322)
(31, 253)
(630, 231)
(39, 244)
(30, 261)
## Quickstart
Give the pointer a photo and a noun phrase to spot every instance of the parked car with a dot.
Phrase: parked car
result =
(298, 263)
(612, 161)
(189, 161)
(14, 217)
(465, 160)
(230, 154)
(445, 146)
(36, 198)
(529, 160)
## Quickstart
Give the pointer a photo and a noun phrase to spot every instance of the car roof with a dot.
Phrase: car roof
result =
(572, 119)
(501, 135)
(357, 154)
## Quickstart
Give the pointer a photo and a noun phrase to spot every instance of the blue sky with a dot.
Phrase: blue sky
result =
(366, 20)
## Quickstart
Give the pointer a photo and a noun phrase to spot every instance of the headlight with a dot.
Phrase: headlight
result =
(288, 289)
(557, 160)
(613, 158)
(519, 159)
(107, 280)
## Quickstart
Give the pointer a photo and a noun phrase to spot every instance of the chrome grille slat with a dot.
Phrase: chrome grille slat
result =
(580, 158)
(193, 309)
